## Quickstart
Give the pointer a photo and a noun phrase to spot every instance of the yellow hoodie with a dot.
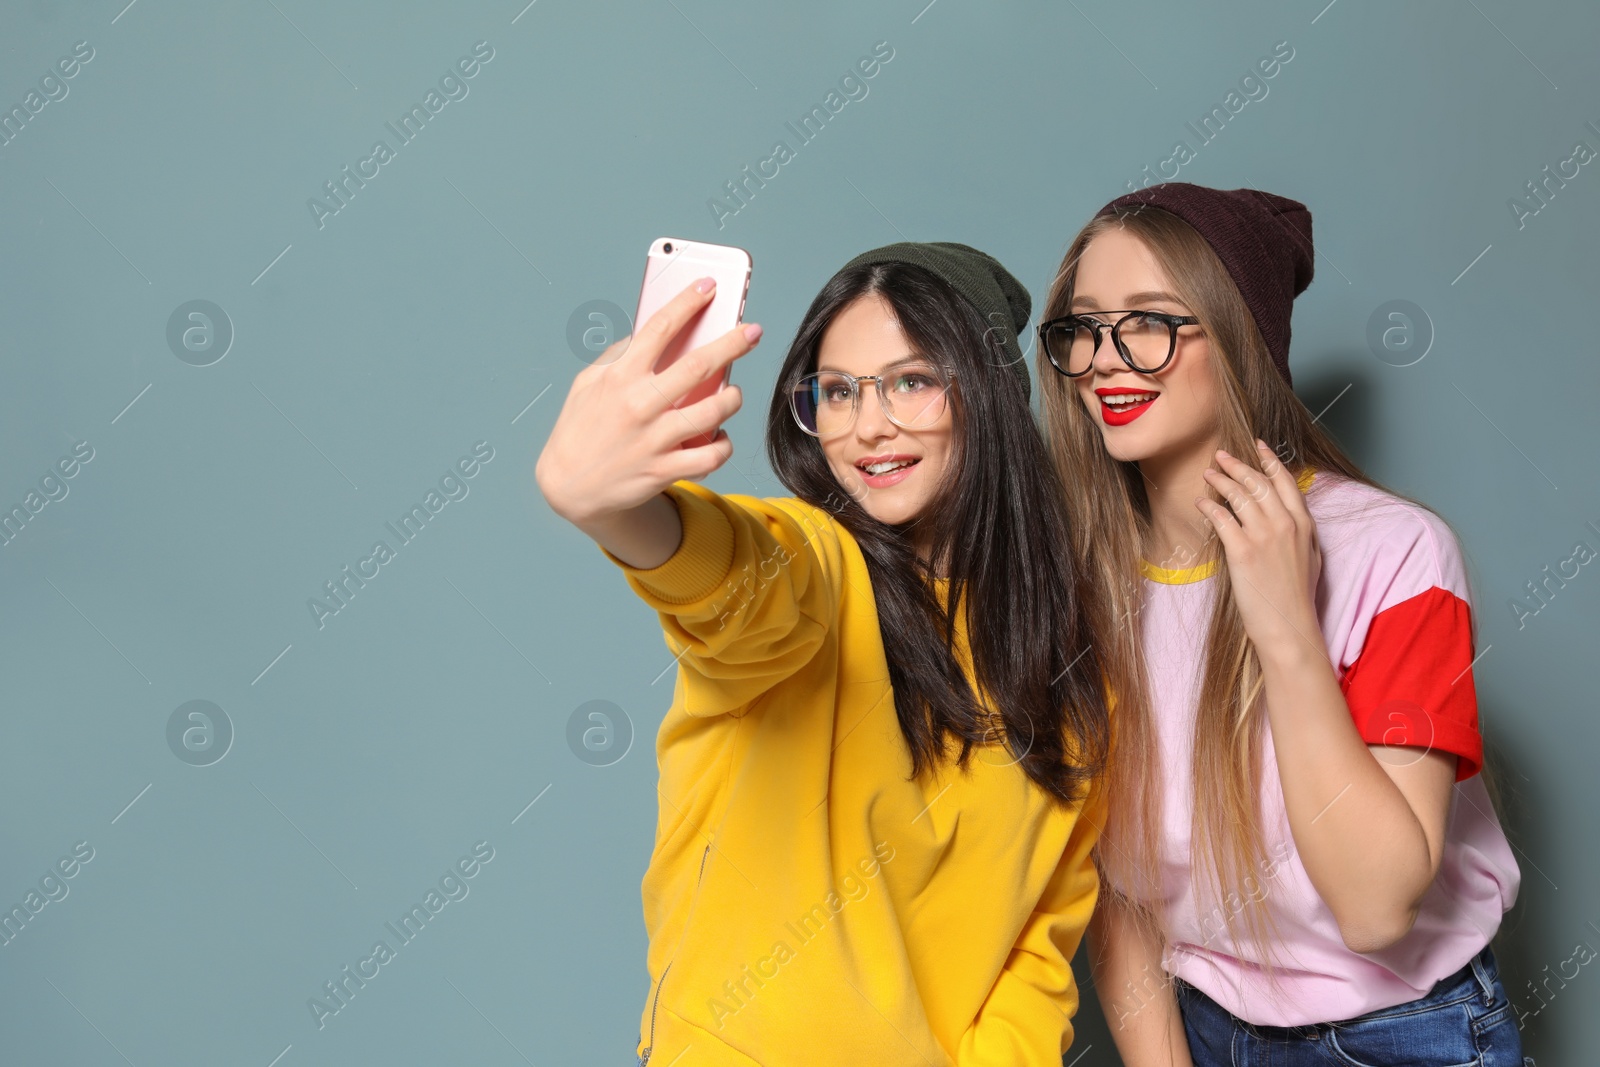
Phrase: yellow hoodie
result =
(805, 902)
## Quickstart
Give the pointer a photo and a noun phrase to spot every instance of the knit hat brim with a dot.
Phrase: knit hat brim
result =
(1263, 240)
(1000, 299)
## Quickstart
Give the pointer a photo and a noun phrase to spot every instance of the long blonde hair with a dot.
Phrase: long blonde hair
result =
(1112, 512)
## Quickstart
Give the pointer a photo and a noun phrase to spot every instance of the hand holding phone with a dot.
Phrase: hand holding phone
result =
(672, 264)
(619, 439)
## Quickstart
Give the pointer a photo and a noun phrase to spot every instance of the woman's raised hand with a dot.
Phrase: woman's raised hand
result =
(1270, 540)
(617, 442)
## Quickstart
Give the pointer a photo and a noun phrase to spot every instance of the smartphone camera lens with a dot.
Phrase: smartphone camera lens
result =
(667, 248)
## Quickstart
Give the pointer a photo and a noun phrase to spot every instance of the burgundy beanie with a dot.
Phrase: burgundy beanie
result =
(1263, 240)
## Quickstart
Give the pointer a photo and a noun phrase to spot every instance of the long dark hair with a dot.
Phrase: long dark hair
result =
(997, 529)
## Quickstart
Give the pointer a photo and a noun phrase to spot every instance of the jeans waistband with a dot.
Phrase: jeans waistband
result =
(1475, 978)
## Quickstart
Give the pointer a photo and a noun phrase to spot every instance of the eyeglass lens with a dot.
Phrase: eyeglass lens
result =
(826, 403)
(1144, 339)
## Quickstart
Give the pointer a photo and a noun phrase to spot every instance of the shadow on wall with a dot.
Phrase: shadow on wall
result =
(1518, 806)
(1341, 398)
(1092, 1045)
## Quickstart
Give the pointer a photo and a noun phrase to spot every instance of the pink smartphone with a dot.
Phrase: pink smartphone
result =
(670, 267)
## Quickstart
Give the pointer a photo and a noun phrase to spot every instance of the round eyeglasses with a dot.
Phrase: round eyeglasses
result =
(913, 396)
(1145, 340)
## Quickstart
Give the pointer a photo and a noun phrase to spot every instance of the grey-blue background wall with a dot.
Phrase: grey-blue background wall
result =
(225, 467)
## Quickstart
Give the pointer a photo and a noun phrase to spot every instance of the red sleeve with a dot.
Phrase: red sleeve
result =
(1412, 683)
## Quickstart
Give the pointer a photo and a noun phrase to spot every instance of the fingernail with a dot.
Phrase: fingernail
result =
(705, 285)
(752, 332)
(1223, 452)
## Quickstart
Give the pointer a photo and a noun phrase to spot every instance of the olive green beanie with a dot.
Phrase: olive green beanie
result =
(1001, 300)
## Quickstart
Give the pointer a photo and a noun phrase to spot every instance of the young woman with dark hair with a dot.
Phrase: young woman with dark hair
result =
(1302, 863)
(879, 777)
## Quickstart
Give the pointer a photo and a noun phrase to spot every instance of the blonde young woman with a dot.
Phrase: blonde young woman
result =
(1302, 863)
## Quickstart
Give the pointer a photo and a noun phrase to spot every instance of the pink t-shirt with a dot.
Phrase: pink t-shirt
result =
(1395, 613)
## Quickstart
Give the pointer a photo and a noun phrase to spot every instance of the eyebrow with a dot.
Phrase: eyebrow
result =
(910, 357)
(1154, 296)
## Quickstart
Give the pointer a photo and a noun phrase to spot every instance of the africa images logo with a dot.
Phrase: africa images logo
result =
(452, 84)
(452, 887)
(852, 85)
(342, 589)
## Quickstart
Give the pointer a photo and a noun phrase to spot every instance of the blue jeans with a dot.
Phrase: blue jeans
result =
(1465, 1021)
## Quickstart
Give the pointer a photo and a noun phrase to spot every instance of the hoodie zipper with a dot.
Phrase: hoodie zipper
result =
(656, 1000)
(654, 1004)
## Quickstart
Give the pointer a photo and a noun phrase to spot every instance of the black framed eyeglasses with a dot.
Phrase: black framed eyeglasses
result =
(1145, 340)
(913, 396)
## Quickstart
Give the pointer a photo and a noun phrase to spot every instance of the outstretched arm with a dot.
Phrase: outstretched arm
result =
(740, 587)
(617, 442)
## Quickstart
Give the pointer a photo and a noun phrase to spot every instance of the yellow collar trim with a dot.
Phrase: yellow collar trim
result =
(1177, 576)
(1199, 573)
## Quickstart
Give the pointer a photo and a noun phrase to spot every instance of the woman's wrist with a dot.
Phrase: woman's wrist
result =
(643, 537)
(1295, 646)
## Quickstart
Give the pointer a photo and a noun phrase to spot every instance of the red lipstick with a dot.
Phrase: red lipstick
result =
(1113, 417)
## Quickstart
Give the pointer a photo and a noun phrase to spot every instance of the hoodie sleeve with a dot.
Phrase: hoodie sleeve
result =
(747, 598)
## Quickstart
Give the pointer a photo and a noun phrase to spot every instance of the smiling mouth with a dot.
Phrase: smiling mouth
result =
(1122, 408)
(886, 466)
(1124, 402)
